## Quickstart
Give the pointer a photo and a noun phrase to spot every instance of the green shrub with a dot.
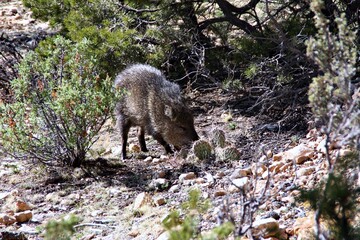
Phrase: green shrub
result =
(60, 105)
(61, 230)
(116, 36)
(336, 55)
(187, 227)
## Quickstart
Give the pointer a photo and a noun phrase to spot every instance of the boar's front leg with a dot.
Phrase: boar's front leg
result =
(124, 126)
(161, 140)
(141, 137)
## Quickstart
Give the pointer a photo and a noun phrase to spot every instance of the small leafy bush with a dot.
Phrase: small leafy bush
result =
(60, 104)
(62, 229)
(187, 227)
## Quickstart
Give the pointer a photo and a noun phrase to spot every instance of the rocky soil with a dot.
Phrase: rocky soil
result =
(129, 199)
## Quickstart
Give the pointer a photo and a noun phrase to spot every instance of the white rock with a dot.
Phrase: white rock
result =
(209, 178)
(241, 182)
(187, 176)
(174, 188)
(156, 160)
(141, 200)
(163, 236)
(276, 166)
(265, 228)
(239, 173)
(116, 150)
(148, 159)
(300, 154)
(164, 158)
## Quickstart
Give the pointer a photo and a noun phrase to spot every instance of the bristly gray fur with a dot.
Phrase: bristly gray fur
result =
(155, 105)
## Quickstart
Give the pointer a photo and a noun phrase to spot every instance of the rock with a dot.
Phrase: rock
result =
(306, 171)
(209, 178)
(219, 175)
(133, 233)
(23, 216)
(161, 174)
(265, 175)
(174, 189)
(141, 200)
(299, 154)
(134, 148)
(163, 236)
(265, 228)
(240, 172)
(258, 169)
(219, 193)
(156, 160)
(21, 206)
(7, 219)
(241, 183)
(116, 150)
(200, 180)
(148, 159)
(159, 200)
(3, 195)
(187, 176)
(159, 183)
(344, 152)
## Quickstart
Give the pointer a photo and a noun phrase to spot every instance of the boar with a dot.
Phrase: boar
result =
(155, 106)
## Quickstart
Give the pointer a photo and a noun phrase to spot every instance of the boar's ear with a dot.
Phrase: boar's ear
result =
(169, 112)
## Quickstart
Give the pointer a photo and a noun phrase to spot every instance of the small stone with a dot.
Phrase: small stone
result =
(164, 158)
(13, 11)
(200, 180)
(258, 169)
(148, 159)
(174, 189)
(265, 228)
(159, 183)
(163, 236)
(241, 182)
(187, 176)
(23, 216)
(6, 219)
(209, 178)
(21, 206)
(219, 193)
(239, 173)
(300, 154)
(233, 189)
(306, 171)
(156, 160)
(275, 167)
(344, 152)
(133, 233)
(288, 199)
(134, 148)
(265, 175)
(159, 201)
(141, 200)
(219, 175)
(162, 174)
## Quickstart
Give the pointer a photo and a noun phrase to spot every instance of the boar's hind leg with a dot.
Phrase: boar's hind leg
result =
(124, 129)
(161, 140)
(141, 137)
